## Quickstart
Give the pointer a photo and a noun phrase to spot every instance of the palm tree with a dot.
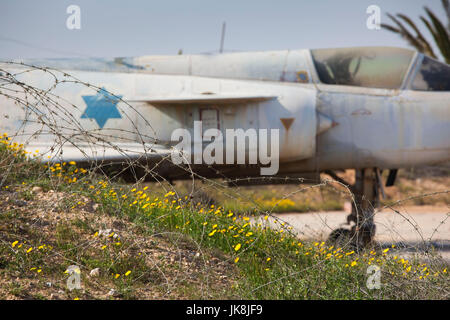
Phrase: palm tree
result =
(437, 29)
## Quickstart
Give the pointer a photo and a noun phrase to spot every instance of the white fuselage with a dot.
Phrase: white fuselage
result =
(321, 126)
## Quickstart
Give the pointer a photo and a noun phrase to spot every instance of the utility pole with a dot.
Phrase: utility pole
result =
(222, 40)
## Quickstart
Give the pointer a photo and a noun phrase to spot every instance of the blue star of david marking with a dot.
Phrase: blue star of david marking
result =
(101, 107)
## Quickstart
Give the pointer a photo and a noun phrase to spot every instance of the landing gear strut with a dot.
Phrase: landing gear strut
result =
(366, 199)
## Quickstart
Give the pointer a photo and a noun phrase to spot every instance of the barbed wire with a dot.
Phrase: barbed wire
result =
(46, 113)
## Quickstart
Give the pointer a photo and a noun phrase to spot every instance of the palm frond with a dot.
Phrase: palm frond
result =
(390, 28)
(446, 5)
(406, 34)
(440, 33)
(430, 28)
(441, 36)
(426, 45)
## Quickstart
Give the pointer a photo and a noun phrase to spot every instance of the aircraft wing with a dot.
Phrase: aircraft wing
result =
(202, 98)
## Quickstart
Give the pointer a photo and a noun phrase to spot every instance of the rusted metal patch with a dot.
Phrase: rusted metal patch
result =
(287, 122)
(361, 112)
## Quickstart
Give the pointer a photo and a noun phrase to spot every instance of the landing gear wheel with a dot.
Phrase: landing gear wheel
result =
(340, 237)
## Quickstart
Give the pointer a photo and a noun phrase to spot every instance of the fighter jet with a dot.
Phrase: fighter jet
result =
(363, 108)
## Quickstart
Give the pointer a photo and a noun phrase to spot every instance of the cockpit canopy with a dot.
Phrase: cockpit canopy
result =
(432, 76)
(378, 67)
(363, 67)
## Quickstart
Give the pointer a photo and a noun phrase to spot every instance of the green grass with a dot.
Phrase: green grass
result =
(270, 262)
(273, 264)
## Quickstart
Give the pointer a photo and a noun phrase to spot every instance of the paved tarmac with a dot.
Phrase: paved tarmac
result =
(415, 229)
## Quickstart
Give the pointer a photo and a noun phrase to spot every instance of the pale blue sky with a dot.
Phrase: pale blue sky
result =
(136, 27)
